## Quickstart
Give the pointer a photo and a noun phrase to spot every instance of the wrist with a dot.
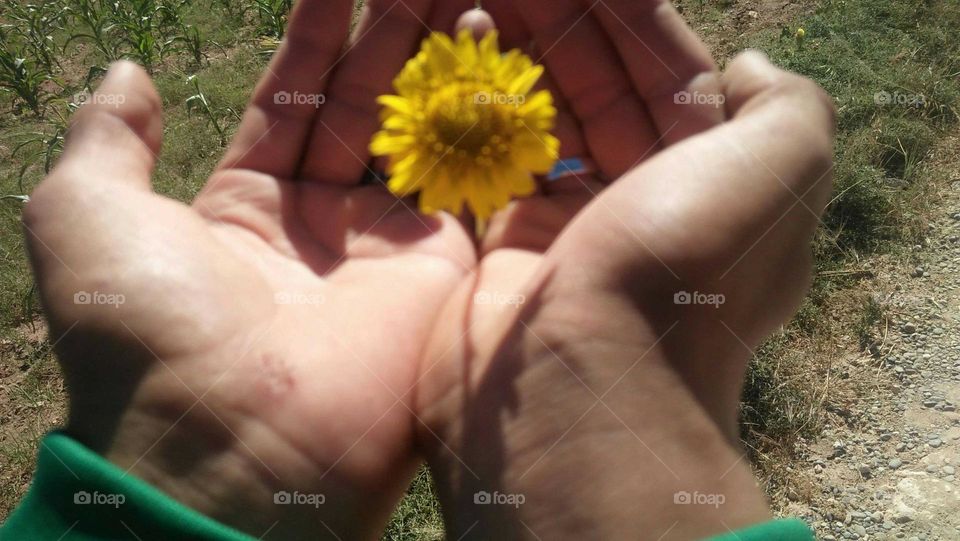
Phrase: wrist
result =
(213, 463)
(181, 451)
(574, 432)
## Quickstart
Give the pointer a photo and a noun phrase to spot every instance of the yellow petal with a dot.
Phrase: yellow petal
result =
(385, 143)
(397, 104)
(524, 83)
(489, 51)
(537, 153)
(406, 175)
(434, 192)
(539, 105)
(520, 181)
(466, 51)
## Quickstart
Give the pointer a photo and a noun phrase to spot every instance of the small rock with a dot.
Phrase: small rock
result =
(949, 470)
(894, 463)
(839, 449)
(909, 328)
(865, 471)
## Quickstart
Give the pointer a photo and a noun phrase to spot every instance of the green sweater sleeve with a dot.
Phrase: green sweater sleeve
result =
(77, 495)
(776, 530)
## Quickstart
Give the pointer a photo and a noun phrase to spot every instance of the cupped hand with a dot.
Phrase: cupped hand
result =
(254, 354)
(593, 364)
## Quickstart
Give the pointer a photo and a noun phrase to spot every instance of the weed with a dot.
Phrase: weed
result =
(199, 102)
(273, 16)
(21, 77)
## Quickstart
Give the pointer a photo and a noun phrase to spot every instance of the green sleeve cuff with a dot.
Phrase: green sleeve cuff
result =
(77, 495)
(790, 529)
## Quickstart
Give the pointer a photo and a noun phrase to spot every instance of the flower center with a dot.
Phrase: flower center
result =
(467, 122)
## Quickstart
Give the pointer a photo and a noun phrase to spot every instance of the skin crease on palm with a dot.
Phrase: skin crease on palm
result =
(292, 330)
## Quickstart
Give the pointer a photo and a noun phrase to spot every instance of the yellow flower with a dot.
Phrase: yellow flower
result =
(466, 126)
(801, 33)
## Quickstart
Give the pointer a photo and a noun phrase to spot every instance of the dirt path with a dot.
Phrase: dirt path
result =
(888, 469)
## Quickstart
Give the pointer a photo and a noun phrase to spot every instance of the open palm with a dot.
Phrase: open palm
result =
(568, 342)
(264, 340)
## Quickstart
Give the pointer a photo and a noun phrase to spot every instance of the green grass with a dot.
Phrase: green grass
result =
(856, 49)
(418, 517)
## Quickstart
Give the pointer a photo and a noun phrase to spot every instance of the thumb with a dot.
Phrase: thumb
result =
(115, 136)
(76, 218)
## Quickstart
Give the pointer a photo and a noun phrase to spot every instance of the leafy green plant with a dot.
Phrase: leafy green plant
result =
(20, 76)
(143, 30)
(42, 146)
(136, 22)
(94, 17)
(235, 10)
(199, 102)
(190, 40)
(273, 16)
(35, 25)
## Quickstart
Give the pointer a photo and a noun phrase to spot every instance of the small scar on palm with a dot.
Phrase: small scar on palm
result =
(275, 376)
